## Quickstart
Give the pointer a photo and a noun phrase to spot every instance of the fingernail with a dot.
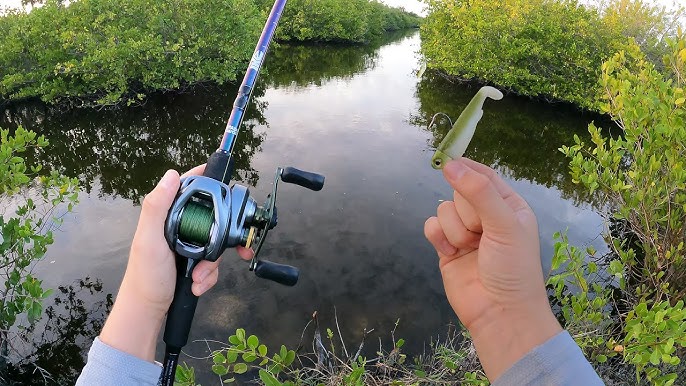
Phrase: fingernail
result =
(455, 169)
(203, 275)
(447, 248)
(167, 179)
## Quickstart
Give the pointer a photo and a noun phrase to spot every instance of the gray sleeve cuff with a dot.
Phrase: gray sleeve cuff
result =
(559, 361)
(108, 366)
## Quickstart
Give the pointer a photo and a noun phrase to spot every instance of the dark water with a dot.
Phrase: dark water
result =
(357, 115)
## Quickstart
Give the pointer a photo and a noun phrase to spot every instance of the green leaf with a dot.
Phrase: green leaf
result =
(240, 368)
(249, 357)
(240, 333)
(219, 370)
(655, 357)
(262, 350)
(269, 379)
(290, 357)
(253, 342)
(219, 358)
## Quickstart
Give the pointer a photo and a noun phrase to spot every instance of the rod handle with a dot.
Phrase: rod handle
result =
(280, 273)
(220, 166)
(182, 308)
(312, 181)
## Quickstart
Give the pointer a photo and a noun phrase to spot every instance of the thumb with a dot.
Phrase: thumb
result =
(482, 195)
(156, 206)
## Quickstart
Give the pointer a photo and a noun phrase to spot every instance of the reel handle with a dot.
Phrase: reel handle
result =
(312, 181)
(182, 309)
(280, 273)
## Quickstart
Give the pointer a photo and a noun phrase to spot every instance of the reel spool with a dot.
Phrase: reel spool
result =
(208, 217)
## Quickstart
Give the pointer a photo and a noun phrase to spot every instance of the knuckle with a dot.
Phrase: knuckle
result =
(445, 207)
(477, 185)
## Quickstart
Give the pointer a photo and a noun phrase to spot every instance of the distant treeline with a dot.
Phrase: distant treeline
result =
(112, 51)
(340, 20)
(552, 49)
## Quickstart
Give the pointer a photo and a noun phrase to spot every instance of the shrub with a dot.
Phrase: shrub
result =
(31, 210)
(116, 50)
(551, 49)
(642, 177)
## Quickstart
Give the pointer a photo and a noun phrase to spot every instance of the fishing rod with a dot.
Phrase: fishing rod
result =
(208, 217)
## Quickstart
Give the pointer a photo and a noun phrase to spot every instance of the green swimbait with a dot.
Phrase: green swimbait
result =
(456, 141)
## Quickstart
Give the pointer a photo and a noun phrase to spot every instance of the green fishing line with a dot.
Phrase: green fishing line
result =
(196, 223)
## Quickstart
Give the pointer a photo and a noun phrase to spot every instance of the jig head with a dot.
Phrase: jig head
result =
(456, 141)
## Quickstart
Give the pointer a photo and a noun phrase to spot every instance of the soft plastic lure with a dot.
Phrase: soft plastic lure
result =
(456, 141)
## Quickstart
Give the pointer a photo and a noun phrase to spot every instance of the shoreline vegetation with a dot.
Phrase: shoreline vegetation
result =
(545, 49)
(111, 52)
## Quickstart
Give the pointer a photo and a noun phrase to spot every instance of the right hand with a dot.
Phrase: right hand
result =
(488, 245)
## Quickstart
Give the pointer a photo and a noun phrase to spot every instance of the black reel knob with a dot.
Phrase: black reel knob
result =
(302, 178)
(280, 273)
(266, 218)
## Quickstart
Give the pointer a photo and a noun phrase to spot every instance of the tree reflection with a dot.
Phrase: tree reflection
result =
(56, 347)
(127, 150)
(302, 65)
(516, 135)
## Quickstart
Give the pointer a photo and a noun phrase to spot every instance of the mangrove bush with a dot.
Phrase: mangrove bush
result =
(355, 21)
(31, 208)
(635, 317)
(551, 49)
(106, 50)
(112, 51)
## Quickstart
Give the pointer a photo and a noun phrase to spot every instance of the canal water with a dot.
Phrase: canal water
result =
(358, 115)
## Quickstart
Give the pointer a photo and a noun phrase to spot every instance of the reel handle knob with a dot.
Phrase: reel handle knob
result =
(312, 181)
(280, 273)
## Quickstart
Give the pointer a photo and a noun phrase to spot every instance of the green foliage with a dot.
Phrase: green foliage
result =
(653, 336)
(450, 361)
(242, 353)
(542, 48)
(31, 210)
(649, 24)
(582, 300)
(641, 173)
(641, 176)
(355, 21)
(117, 50)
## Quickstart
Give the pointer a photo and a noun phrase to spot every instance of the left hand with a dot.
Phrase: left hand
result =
(148, 286)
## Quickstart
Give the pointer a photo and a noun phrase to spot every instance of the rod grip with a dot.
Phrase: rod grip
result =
(182, 308)
(282, 274)
(305, 179)
(220, 167)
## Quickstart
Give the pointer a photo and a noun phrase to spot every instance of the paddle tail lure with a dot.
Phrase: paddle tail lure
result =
(456, 141)
(208, 217)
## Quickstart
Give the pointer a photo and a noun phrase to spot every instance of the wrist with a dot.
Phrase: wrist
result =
(133, 326)
(506, 335)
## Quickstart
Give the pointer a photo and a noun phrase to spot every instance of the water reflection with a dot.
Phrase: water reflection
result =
(58, 345)
(302, 65)
(128, 149)
(518, 137)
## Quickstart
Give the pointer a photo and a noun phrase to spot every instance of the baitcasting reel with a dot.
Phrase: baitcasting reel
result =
(208, 217)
